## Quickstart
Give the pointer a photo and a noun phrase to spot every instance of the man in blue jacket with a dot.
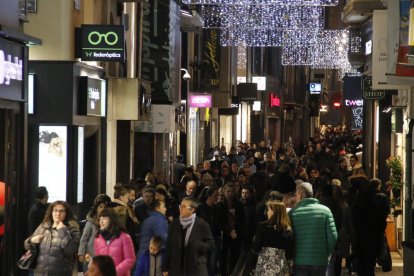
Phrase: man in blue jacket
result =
(314, 233)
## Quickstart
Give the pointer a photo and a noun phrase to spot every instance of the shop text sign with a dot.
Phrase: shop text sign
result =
(368, 93)
(102, 43)
(199, 100)
(11, 68)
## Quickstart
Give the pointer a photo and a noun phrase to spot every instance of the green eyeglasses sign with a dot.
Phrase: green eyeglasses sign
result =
(102, 42)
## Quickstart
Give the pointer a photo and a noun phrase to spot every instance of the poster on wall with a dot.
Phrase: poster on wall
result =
(52, 160)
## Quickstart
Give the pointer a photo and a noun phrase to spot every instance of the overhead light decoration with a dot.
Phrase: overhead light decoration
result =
(241, 57)
(326, 49)
(263, 17)
(262, 2)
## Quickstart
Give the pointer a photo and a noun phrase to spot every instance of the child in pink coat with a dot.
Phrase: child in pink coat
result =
(112, 241)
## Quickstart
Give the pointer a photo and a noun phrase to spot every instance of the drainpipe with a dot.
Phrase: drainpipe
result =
(408, 201)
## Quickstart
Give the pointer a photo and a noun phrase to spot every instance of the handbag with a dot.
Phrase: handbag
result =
(28, 260)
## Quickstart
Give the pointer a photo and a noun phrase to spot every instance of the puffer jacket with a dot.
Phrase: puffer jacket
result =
(57, 249)
(314, 232)
(88, 237)
(120, 249)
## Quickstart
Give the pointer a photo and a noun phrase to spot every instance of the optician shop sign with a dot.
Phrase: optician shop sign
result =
(11, 70)
(200, 100)
(102, 43)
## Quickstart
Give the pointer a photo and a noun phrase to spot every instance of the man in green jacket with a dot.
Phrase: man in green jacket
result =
(314, 233)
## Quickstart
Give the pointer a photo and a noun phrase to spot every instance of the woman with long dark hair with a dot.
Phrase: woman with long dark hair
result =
(274, 242)
(114, 242)
(58, 239)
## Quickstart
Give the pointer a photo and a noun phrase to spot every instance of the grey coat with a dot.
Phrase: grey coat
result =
(90, 232)
(57, 249)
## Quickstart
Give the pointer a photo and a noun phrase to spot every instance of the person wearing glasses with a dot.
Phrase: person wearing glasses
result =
(189, 243)
(58, 239)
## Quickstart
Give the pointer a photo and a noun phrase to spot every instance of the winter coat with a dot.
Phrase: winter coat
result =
(314, 232)
(90, 231)
(143, 263)
(57, 249)
(36, 214)
(188, 260)
(155, 225)
(127, 219)
(120, 249)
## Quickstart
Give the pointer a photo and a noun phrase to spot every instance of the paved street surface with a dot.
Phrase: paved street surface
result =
(397, 267)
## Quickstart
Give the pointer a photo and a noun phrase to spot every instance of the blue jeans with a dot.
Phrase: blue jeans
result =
(310, 270)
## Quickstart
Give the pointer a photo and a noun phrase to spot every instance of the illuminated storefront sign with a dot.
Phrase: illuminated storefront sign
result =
(199, 100)
(274, 100)
(102, 42)
(354, 102)
(261, 83)
(11, 68)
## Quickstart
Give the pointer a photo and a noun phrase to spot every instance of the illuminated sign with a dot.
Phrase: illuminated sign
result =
(200, 100)
(102, 43)
(274, 100)
(354, 102)
(11, 68)
(323, 108)
(241, 80)
(92, 97)
(368, 47)
(261, 83)
(315, 88)
(257, 106)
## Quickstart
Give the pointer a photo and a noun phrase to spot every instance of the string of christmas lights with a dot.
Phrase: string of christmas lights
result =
(263, 16)
(326, 49)
(263, 2)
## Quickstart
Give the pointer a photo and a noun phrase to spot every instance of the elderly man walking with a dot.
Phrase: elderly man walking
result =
(314, 232)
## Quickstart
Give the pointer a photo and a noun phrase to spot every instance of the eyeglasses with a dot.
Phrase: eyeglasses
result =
(59, 211)
(183, 206)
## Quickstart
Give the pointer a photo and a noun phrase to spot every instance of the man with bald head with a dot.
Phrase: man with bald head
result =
(190, 189)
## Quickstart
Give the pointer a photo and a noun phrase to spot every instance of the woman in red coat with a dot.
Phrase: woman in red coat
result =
(114, 242)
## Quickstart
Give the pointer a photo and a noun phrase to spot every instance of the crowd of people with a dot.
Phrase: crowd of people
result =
(267, 209)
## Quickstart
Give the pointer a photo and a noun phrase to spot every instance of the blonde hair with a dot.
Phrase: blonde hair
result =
(280, 218)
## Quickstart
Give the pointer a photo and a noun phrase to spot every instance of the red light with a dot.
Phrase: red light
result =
(337, 105)
(274, 100)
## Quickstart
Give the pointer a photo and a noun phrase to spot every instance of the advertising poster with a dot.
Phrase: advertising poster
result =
(52, 160)
(357, 115)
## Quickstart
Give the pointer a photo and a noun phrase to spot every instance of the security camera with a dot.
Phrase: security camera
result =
(186, 76)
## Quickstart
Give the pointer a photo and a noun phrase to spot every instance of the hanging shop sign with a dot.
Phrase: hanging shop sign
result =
(210, 61)
(92, 97)
(11, 70)
(261, 83)
(247, 91)
(357, 117)
(315, 88)
(368, 93)
(200, 100)
(274, 100)
(102, 43)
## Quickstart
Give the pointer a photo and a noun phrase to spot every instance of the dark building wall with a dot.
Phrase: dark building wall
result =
(9, 14)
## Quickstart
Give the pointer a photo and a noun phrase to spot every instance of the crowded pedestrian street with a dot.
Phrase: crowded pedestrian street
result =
(206, 137)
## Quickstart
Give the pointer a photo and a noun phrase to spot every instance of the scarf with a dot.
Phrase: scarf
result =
(106, 235)
(187, 223)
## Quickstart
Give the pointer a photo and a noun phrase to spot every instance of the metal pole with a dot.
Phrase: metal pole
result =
(408, 183)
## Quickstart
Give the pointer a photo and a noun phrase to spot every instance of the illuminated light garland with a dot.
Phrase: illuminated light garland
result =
(241, 57)
(263, 17)
(326, 49)
(250, 38)
(263, 2)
